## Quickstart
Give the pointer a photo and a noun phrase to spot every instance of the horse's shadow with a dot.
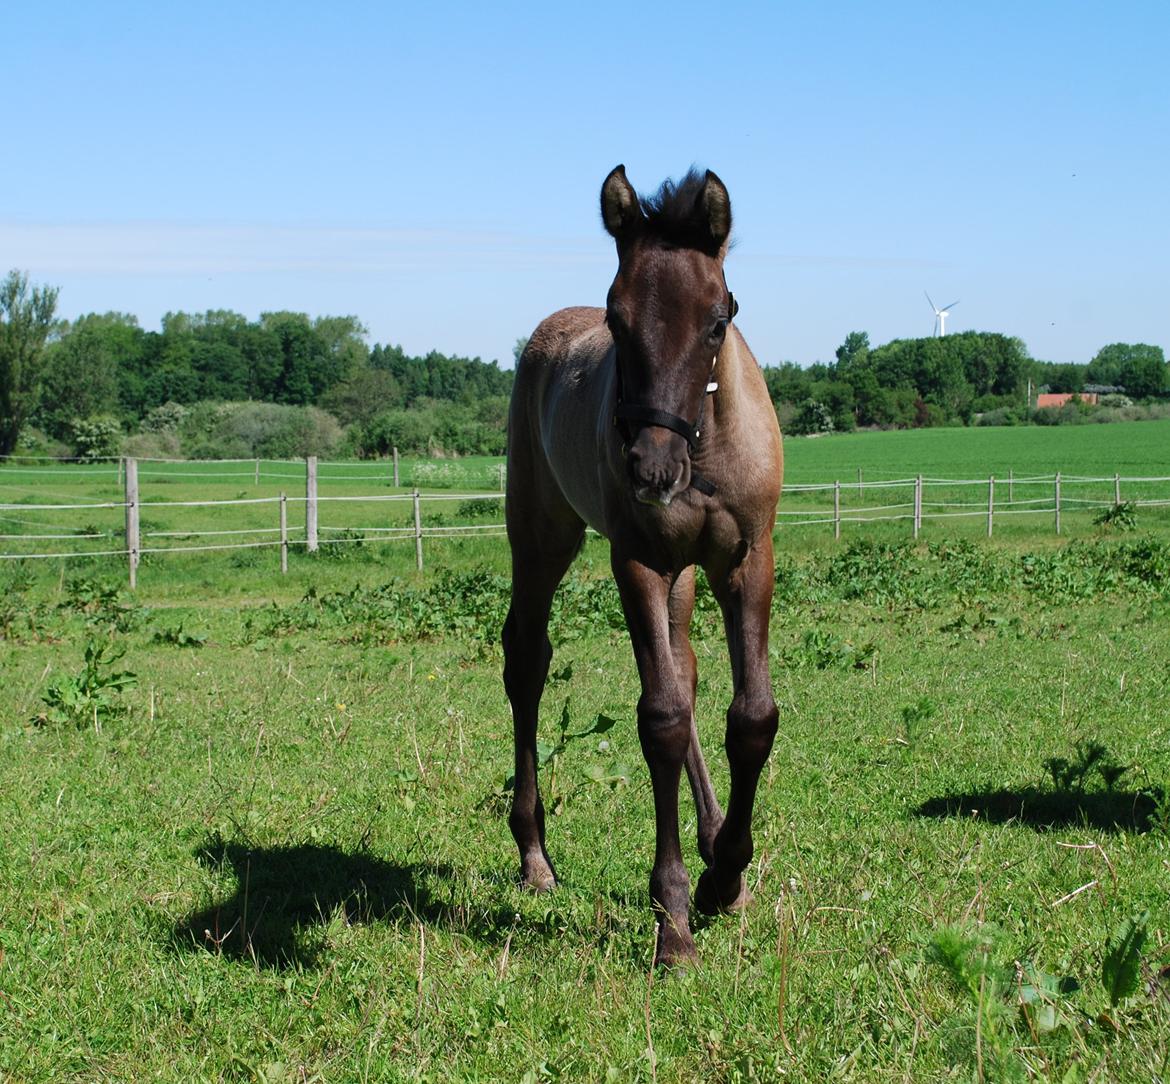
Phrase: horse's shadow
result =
(287, 898)
(1043, 810)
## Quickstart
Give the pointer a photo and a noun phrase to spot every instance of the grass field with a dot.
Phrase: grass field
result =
(279, 851)
(1133, 448)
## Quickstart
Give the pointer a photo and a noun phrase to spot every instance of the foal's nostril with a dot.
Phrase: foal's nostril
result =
(655, 472)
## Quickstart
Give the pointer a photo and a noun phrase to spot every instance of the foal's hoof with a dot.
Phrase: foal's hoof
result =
(676, 955)
(678, 963)
(710, 901)
(537, 877)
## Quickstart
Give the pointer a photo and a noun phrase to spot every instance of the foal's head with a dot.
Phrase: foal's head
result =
(668, 310)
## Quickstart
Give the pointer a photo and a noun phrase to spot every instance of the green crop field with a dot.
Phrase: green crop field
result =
(256, 824)
(1129, 448)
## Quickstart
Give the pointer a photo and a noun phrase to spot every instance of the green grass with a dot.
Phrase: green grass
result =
(1128, 448)
(286, 856)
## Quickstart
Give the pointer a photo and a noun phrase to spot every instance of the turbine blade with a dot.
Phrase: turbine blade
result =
(930, 303)
(950, 306)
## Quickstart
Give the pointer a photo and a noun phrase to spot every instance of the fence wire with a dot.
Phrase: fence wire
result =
(848, 499)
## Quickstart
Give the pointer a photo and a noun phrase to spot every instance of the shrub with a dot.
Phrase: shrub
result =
(162, 445)
(928, 415)
(166, 418)
(96, 438)
(267, 430)
(1002, 416)
(432, 427)
(38, 443)
(811, 417)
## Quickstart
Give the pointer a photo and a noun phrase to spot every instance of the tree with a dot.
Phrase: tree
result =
(361, 398)
(852, 354)
(1138, 368)
(79, 378)
(344, 342)
(787, 383)
(1055, 377)
(26, 318)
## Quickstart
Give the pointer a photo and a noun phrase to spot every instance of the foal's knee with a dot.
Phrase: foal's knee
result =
(664, 726)
(527, 655)
(751, 730)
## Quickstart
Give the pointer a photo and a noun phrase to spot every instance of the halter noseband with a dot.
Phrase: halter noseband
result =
(663, 419)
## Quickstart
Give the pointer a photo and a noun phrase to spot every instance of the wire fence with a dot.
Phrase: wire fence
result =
(486, 473)
(132, 508)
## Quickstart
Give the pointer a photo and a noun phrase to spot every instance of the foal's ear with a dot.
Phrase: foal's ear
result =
(620, 209)
(714, 209)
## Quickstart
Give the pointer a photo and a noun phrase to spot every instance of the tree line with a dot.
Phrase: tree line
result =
(957, 379)
(217, 383)
(86, 383)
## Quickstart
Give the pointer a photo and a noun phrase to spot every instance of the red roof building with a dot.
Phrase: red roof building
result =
(1058, 399)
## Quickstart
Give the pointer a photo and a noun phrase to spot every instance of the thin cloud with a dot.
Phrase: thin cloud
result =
(171, 248)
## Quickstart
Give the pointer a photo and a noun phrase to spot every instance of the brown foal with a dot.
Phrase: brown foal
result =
(650, 422)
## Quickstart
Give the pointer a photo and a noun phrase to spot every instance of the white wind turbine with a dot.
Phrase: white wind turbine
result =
(940, 316)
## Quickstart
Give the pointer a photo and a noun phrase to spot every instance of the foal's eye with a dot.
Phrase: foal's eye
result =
(718, 330)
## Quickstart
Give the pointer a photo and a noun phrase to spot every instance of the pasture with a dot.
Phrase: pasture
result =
(278, 851)
(1128, 448)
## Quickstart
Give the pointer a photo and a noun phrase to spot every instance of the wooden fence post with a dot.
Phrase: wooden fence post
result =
(990, 503)
(860, 484)
(311, 504)
(917, 505)
(121, 461)
(418, 556)
(837, 509)
(132, 539)
(283, 533)
(503, 477)
(1116, 489)
(257, 481)
(395, 468)
(1057, 494)
(1011, 486)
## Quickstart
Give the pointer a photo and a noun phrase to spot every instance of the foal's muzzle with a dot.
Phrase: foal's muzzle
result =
(659, 465)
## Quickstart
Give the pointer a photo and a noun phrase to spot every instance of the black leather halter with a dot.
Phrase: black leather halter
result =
(663, 419)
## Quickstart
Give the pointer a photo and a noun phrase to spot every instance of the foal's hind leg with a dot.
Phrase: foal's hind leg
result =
(745, 596)
(710, 817)
(541, 553)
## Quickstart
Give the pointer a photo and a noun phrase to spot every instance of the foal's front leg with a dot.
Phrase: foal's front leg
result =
(709, 815)
(745, 596)
(664, 729)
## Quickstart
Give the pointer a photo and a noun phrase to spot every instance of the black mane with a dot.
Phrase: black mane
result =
(672, 212)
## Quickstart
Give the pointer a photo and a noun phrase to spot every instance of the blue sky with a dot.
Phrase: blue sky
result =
(434, 169)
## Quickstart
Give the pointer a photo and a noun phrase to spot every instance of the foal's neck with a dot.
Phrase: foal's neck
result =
(729, 374)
